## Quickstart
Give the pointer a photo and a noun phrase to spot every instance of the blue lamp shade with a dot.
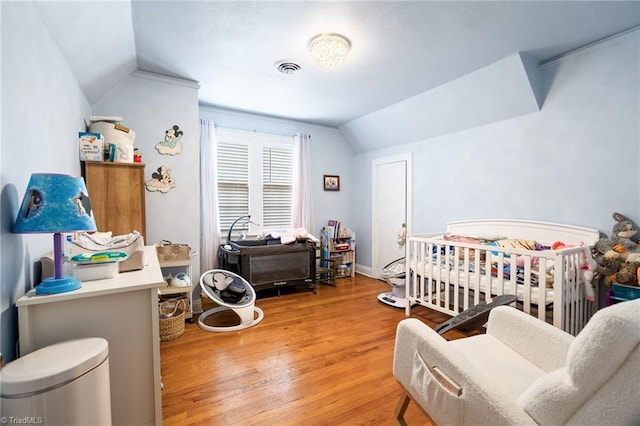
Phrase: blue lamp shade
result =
(55, 203)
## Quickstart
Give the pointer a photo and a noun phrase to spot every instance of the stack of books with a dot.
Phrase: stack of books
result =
(334, 229)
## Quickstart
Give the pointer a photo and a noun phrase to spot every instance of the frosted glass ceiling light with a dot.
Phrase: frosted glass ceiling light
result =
(329, 50)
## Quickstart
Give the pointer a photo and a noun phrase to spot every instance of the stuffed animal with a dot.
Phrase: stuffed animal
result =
(620, 243)
(618, 257)
(627, 274)
(588, 267)
(606, 267)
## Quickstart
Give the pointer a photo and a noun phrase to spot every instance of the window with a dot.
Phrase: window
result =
(255, 176)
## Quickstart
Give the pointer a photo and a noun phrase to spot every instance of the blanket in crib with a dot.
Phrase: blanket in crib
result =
(518, 269)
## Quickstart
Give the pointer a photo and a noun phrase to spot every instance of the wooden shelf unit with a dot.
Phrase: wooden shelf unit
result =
(117, 196)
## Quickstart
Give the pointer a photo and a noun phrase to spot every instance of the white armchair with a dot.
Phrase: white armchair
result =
(524, 371)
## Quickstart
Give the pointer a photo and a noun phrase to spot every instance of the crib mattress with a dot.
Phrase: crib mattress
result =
(497, 285)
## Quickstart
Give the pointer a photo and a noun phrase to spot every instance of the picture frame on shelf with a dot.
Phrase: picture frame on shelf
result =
(331, 182)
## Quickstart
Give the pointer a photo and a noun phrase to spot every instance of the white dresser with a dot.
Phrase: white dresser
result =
(123, 310)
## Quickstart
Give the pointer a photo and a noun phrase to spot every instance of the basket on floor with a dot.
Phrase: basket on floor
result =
(171, 319)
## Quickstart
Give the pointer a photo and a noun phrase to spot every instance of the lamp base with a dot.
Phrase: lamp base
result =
(58, 285)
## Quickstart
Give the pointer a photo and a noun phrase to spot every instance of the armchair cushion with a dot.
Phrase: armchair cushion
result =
(598, 364)
(527, 335)
(509, 369)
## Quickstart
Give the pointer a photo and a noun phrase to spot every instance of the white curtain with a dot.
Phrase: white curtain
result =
(301, 198)
(210, 229)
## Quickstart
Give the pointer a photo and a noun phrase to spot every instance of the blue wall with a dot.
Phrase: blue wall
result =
(141, 100)
(576, 161)
(43, 109)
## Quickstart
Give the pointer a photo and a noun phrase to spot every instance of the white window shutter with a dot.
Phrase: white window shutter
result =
(233, 182)
(241, 155)
(277, 181)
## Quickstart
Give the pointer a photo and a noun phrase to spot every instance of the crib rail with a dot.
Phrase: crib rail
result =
(451, 276)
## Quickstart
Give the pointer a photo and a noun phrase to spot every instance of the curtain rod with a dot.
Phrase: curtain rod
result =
(256, 131)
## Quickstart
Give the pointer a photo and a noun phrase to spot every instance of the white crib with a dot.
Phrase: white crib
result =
(452, 271)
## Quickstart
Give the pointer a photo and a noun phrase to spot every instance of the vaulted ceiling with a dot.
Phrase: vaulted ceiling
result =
(399, 48)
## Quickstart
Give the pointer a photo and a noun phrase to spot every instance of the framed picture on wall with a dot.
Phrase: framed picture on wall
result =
(331, 183)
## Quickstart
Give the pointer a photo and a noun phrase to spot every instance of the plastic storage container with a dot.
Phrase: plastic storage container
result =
(66, 383)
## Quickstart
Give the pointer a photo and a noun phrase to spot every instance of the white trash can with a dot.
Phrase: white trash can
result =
(66, 383)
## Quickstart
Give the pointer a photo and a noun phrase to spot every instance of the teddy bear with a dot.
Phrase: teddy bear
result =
(605, 267)
(627, 274)
(618, 257)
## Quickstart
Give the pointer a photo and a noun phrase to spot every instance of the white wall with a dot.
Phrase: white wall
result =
(43, 109)
(576, 161)
(330, 155)
(150, 104)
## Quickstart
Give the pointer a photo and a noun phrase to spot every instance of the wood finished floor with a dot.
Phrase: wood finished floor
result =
(315, 359)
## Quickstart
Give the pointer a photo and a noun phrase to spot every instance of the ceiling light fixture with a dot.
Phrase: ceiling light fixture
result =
(329, 50)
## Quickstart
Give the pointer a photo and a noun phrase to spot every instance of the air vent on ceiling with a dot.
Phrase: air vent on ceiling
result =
(287, 67)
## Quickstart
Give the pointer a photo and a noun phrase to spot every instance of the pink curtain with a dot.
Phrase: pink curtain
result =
(301, 197)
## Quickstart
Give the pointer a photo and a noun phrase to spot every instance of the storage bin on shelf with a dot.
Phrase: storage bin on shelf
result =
(173, 251)
(621, 293)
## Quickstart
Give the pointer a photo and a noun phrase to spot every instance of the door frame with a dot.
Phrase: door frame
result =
(408, 159)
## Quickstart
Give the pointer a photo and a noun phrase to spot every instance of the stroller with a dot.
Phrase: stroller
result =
(395, 275)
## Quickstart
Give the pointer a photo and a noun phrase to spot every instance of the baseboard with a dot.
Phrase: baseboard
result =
(365, 270)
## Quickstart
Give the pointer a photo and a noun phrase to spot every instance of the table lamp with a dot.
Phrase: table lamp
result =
(55, 203)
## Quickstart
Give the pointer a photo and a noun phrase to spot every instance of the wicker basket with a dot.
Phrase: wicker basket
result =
(171, 319)
(171, 251)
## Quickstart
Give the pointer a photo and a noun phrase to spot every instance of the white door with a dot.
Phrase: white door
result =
(391, 209)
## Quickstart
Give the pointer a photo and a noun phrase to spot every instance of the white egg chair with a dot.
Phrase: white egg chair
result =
(231, 292)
